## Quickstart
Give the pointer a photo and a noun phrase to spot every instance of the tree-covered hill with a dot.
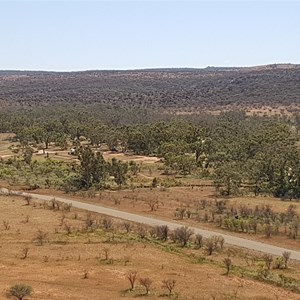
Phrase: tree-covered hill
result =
(176, 90)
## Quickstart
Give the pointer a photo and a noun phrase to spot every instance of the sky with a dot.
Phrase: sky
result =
(90, 35)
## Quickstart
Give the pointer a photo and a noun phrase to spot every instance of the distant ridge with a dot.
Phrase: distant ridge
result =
(164, 89)
(183, 69)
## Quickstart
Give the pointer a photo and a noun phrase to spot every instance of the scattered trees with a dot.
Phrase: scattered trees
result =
(232, 149)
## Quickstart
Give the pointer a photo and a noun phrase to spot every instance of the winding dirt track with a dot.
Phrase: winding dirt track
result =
(229, 239)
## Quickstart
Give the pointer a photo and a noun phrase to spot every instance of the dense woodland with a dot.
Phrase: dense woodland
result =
(178, 90)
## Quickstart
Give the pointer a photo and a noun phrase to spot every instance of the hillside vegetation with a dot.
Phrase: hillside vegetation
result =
(163, 90)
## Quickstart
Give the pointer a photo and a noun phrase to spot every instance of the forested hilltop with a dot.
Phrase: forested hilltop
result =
(162, 90)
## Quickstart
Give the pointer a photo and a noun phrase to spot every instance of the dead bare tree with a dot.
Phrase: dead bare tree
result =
(27, 199)
(141, 232)
(286, 256)
(107, 224)
(179, 213)
(26, 219)
(89, 222)
(210, 245)
(66, 207)
(62, 218)
(24, 253)
(68, 228)
(169, 284)
(146, 283)
(127, 226)
(45, 258)
(85, 274)
(227, 262)
(126, 260)
(106, 252)
(198, 240)
(131, 276)
(268, 230)
(183, 234)
(162, 232)
(221, 241)
(54, 204)
(153, 204)
(6, 225)
(268, 260)
(40, 237)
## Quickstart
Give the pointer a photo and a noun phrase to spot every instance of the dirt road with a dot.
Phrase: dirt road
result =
(229, 239)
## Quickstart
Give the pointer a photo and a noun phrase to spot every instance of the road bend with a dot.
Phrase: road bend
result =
(229, 239)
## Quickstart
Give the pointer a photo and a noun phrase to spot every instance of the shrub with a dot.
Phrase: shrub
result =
(198, 240)
(19, 291)
(169, 284)
(182, 235)
(162, 232)
(146, 283)
(40, 238)
(227, 262)
(286, 256)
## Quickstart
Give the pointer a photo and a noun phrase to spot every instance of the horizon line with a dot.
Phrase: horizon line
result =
(150, 68)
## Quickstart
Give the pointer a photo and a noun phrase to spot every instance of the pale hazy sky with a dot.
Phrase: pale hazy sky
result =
(81, 35)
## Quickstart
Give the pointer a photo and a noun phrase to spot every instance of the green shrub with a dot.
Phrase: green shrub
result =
(19, 291)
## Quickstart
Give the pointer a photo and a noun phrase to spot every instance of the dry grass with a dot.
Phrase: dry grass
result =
(55, 270)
